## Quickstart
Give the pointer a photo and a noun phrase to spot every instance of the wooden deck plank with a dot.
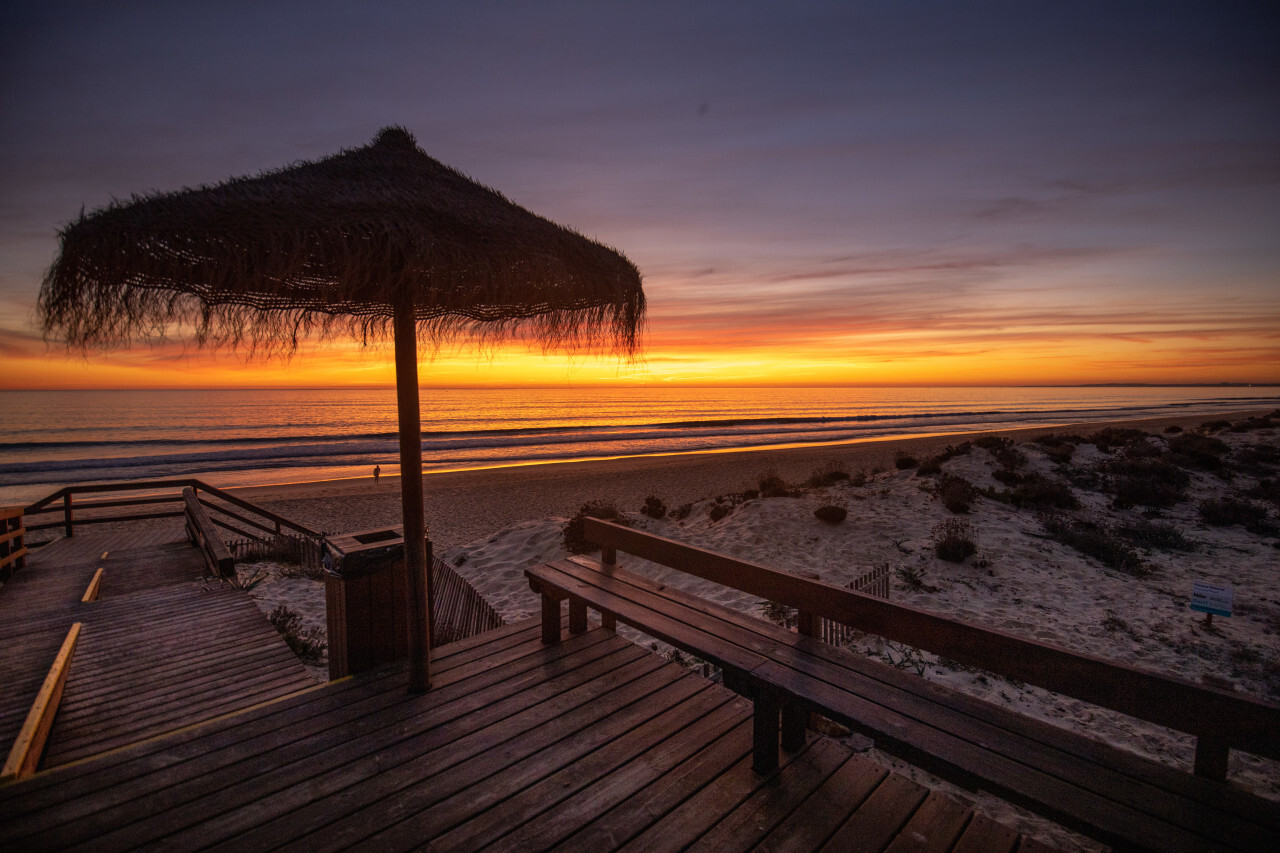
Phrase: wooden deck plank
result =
(225, 773)
(521, 801)
(771, 803)
(480, 755)
(588, 804)
(877, 822)
(984, 835)
(518, 745)
(830, 806)
(934, 827)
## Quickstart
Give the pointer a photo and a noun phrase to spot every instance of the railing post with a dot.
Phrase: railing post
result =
(1212, 756)
(67, 518)
(609, 556)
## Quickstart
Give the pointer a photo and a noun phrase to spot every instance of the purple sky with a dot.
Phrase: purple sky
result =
(784, 174)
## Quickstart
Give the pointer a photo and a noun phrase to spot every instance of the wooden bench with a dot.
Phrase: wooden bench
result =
(204, 535)
(1116, 796)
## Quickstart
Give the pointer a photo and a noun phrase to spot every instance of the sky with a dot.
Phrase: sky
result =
(897, 192)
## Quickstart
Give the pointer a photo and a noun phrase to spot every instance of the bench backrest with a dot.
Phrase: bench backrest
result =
(1209, 713)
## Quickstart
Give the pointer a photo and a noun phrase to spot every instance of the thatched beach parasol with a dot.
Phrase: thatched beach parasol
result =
(372, 242)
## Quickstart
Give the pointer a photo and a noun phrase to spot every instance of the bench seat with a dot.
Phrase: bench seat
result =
(1113, 795)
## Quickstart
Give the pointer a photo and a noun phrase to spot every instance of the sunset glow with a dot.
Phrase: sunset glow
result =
(976, 195)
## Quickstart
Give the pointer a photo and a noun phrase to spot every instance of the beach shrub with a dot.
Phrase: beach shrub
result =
(1112, 437)
(831, 514)
(772, 486)
(930, 467)
(956, 493)
(1146, 481)
(1004, 475)
(575, 541)
(719, 509)
(1059, 448)
(1010, 458)
(654, 507)
(307, 643)
(1226, 512)
(682, 512)
(1154, 534)
(1097, 541)
(954, 539)
(1172, 429)
(858, 478)
(993, 443)
(1034, 491)
(952, 451)
(834, 471)
(1214, 426)
(904, 461)
(1192, 450)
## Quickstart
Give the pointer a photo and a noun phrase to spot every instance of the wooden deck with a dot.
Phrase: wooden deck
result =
(159, 649)
(591, 744)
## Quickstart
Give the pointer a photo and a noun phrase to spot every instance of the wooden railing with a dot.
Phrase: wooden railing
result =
(204, 535)
(229, 512)
(13, 548)
(1220, 720)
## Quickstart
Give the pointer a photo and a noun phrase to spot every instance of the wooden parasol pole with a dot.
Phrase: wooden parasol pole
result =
(415, 533)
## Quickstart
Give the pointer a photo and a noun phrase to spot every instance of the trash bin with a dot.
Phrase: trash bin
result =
(366, 599)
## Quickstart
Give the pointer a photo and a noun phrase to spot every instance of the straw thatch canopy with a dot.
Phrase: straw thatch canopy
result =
(377, 241)
(333, 246)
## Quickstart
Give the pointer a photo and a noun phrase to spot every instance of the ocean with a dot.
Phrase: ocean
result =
(49, 439)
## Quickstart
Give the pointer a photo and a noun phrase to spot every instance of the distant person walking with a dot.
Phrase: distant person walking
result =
(377, 472)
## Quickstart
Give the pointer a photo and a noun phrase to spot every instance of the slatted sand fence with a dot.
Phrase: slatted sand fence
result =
(458, 611)
(592, 744)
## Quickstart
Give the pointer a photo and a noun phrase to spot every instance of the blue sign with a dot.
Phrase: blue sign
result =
(1212, 598)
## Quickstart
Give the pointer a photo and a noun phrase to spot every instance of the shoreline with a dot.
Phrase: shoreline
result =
(463, 506)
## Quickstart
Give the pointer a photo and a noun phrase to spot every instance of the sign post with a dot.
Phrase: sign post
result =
(1211, 599)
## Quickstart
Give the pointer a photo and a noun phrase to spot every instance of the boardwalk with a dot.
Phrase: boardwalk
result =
(592, 744)
(159, 649)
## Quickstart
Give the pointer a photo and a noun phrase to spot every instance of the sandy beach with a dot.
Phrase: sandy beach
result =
(1022, 578)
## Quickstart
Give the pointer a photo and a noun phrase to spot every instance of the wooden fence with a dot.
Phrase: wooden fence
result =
(13, 549)
(457, 610)
(874, 582)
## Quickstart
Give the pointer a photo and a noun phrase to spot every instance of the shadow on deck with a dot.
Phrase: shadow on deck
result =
(591, 744)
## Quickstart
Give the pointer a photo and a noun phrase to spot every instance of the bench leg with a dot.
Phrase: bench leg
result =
(764, 724)
(795, 720)
(550, 619)
(1212, 756)
(608, 621)
(577, 616)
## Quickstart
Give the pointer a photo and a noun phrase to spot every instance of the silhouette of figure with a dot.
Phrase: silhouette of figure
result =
(377, 472)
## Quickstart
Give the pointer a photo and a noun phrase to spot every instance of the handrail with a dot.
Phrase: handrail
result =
(24, 755)
(204, 535)
(67, 494)
(1220, 720)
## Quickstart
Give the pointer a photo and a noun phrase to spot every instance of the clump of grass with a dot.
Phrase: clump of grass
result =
(930, 467)
(954, 539)
(1228, 511)
(1058, 447)
(682, 512)
(904, 461)
(1139, 480)
(1191, 450)
(993, 443)
(654, 507)
(575, 541)
(1097, 541)
(956, 493)
(831, 514)
(1154, 534)
(773, 486)
(834, 471)
(1034, 491)
(1010, 458)
(307, 643)
(1172, 429)
(913, 579)
(1214, 426)
(779, 614)
(1113, 437)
